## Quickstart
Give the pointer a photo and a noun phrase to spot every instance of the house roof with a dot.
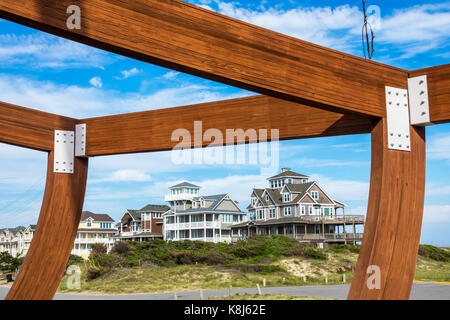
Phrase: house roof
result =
(13, 230)
(288, 173)
(184, 184)
(155, 208)
(297, 190)
(136, 214)
(96, 216)
(217, 199)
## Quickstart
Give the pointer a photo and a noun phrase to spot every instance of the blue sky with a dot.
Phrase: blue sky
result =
(41, 71)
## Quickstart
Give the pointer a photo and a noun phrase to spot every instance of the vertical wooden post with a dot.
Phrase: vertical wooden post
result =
(394, 217)
(56, 229)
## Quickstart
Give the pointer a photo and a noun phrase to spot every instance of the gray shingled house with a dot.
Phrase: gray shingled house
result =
(296, 207)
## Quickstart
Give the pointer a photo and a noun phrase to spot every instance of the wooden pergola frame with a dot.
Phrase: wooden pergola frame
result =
(308, 91)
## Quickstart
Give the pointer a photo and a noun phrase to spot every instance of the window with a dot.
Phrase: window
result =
(315, 195)
(252, 216)
(272, 213)
(287, 211)
(253, 201)
(261, 214)
(286, 197)
(304, 180)
(290, 180)
(302, 210)
(267, 197)
(89, 223)
(310, 210)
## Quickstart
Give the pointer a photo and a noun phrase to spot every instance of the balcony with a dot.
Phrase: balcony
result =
(94, 240)
(329, 237)
(191, 225)
(179, 197)
(216, 239)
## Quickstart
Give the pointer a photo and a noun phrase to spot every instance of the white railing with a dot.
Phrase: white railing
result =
(207, 239)
(128, 233)
(181, 196)
(94, 240)
(191, 225)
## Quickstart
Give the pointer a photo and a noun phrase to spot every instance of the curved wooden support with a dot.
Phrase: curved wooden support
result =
(53, 240)
(394, 218)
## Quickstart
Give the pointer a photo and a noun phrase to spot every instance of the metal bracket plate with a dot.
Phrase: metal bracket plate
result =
(64, 151)
(397, 112)
(80, 140)
(418, 99)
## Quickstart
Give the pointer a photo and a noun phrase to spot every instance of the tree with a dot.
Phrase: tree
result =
(8, 263)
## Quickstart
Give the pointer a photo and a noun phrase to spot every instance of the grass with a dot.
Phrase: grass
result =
(176, 267)
(267, 297)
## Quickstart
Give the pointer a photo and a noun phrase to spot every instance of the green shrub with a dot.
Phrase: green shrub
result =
(93, 273)
(434, 253)
(73, 259)
(108, 261)
(98, 248)
(314, 252)
(121, 247)
(341, 248)
(296, 250)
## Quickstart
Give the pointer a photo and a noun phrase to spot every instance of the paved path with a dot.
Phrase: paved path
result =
(420, 291)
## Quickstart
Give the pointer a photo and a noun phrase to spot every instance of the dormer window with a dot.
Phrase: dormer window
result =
(194, 204)
(202, 203)
(315, 195)
(253, 201)
(286, 197)
(89, 223)
(267, 197)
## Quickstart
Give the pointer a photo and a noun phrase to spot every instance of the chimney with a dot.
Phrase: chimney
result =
(285, 169)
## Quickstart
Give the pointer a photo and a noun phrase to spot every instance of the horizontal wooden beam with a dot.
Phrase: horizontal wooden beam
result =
(30, 128)
(438, 91)
(190, 39)
(152, 130)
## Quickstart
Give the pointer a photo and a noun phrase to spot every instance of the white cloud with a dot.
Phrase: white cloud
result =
(316, 163)
(411, 31)
(438, 147)
(436, 213)
(314, 24)
(48, 51)
(128, 73)
(80, 102)
(124, 175)
(96, 82)
(171, 75)
(343, 190)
